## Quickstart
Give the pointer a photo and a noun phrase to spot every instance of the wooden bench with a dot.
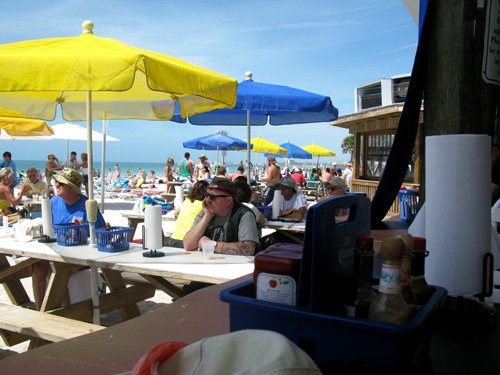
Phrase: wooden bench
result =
(40, 325)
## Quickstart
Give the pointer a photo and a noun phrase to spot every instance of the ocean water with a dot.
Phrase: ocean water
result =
(23, 165)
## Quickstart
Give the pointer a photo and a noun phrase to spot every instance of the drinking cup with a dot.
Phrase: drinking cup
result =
(208, 247)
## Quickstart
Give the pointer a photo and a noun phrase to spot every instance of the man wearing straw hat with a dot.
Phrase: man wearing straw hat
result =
(69, 204)
(68, 207)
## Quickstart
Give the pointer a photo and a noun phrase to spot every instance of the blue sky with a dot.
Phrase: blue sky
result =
(324, 46)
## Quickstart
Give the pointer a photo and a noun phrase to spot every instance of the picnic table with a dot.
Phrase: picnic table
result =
(176, 264)
(293, 230)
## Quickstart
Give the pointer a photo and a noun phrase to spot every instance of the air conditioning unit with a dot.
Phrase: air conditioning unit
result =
(381, 93)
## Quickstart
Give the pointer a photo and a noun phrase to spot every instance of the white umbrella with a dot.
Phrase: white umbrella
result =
(75, 132)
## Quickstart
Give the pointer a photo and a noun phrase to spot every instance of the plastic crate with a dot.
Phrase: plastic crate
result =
(267, 211)
(71, 234)
(113, 239)
(337, 342)
(408, 204)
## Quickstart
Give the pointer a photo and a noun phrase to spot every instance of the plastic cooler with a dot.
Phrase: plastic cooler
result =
(408, 204)
(339, 342)
(113, 239)
(71, 234)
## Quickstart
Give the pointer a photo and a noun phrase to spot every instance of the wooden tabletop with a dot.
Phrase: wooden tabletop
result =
(201, 314)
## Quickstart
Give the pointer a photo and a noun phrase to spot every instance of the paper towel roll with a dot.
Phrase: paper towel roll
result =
(277, 204)
(47, 228)
(457, 213)
(417, 227)
(179, 196)
(153, 231)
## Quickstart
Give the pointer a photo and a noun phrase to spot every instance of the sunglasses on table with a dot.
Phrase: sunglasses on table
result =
(213, 197)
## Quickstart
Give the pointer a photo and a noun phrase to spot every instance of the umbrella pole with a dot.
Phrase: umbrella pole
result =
(92, 214)
(103, 160)
(317, 163)
(248, 146)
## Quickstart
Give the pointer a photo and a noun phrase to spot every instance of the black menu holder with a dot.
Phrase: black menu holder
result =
(327, 261)
(45, 238)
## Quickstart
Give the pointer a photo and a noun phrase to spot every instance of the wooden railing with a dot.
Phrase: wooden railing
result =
(369, 187)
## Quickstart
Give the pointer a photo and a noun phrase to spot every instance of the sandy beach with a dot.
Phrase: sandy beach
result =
(113, 210)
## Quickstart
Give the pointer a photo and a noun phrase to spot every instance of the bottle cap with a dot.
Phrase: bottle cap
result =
(419, 244)
(364, 241)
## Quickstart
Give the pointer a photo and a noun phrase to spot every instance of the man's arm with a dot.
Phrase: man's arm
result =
(236, 248)
(192, 238)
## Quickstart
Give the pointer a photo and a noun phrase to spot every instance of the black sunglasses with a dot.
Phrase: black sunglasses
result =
(213, 197)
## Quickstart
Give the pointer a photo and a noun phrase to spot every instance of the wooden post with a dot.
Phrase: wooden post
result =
(457, 99)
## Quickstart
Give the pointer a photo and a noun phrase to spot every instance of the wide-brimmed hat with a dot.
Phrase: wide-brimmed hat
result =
(336, 182)
(203, 156)
(223, 184)
(70, 177)
(287, 182)
(51, 156)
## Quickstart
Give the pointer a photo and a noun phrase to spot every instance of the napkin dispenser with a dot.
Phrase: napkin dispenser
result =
(326, 273)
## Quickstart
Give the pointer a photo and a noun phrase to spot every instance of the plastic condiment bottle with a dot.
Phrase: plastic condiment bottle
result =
(5, 224)
(389, 305)
(419, 285)
(363, 275)
(406, 291)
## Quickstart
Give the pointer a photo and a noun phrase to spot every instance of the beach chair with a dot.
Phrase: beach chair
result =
(313, 189)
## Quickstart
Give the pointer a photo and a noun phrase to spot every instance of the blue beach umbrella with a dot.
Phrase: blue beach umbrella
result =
(261, 103)
(217, 141)
(294, 152)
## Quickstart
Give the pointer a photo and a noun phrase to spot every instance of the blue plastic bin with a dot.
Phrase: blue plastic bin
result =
(336, 341)
(408, 204)
(71, 234)
(113, 239)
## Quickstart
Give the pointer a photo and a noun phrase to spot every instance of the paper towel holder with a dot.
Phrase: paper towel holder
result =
(152, 253)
